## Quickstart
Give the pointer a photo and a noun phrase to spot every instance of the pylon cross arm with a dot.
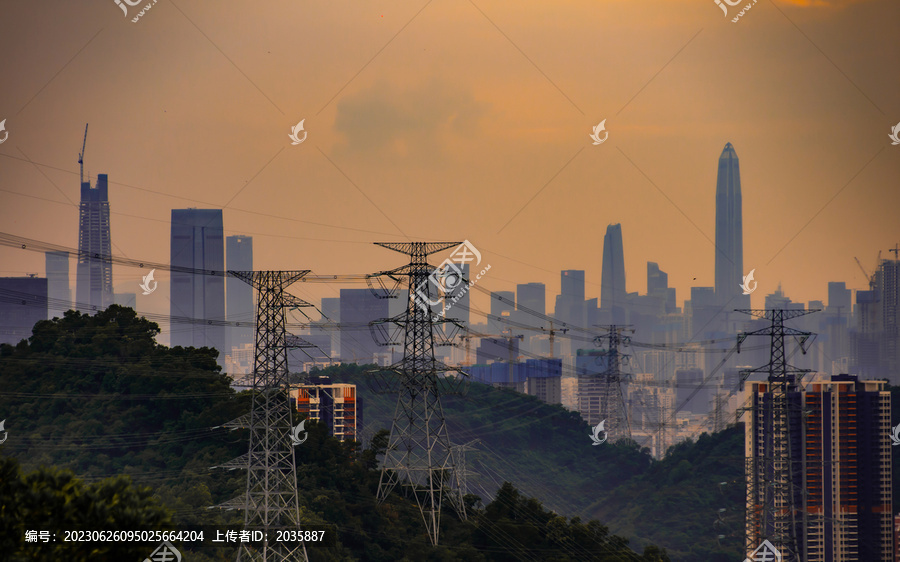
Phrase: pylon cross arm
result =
(256, 278)
(410, 248)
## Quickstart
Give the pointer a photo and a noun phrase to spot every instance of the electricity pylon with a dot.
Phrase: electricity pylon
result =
(776, 439)
(270, 502)
(612, 399)
(419, 453)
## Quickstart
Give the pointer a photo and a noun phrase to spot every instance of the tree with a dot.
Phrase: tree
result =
(53, 500)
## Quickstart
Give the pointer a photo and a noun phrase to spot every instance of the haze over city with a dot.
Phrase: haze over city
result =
(632, 177)
(191, 107)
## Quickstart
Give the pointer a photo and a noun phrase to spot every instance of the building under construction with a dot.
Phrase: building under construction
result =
(875, 339)
(835, 445)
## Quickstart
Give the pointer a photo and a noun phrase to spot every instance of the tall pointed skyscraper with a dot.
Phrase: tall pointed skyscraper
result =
(612, 288)
(729, 233)
(93, 282)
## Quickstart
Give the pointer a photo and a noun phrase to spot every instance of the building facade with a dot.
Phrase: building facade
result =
(335, 404)
(358, 308)
(197, 307)
(543, 379)
(94, 284)
(23, 303)
(729, 233)
(837, 436)
(59, 295)
(612, 289)
(240, 308)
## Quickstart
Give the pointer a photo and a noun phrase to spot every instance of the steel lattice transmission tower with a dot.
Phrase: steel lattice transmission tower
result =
(612, 399)
(419, 452)
(774, 469)
(270, 501)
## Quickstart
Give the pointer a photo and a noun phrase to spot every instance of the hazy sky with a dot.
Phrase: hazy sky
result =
(457, 119)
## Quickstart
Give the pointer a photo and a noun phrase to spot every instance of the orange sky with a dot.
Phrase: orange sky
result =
(441, 120)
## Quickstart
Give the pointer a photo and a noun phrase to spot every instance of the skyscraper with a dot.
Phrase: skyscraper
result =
(24, 305)
(532, 296)
(359, 307)
(570, 306)
(58, 293)
(729, 233)
(197, 243)
(331, 313)
(657, 280)
(839, 445)
(239, 304)
(93, 286)
(503, 303)
(658, 286)
(890, 295)
(612, 289)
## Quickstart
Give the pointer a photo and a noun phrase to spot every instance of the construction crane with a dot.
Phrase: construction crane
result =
(552, 333)
(506, 334)
(81, 154)
(896, 250)
(871, 278)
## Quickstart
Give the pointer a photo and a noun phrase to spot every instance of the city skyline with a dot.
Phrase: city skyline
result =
(526, 234)
(391, 136)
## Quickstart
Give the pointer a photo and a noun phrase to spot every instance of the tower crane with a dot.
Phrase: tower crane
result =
(81, 154)
(871, 278)
(553, 333)
(506, 334)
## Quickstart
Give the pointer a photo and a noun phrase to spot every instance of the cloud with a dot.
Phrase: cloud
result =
(387, 119)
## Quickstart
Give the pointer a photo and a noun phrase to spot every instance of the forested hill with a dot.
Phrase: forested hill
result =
(547, 452)
(96, 395)
(139, 427)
